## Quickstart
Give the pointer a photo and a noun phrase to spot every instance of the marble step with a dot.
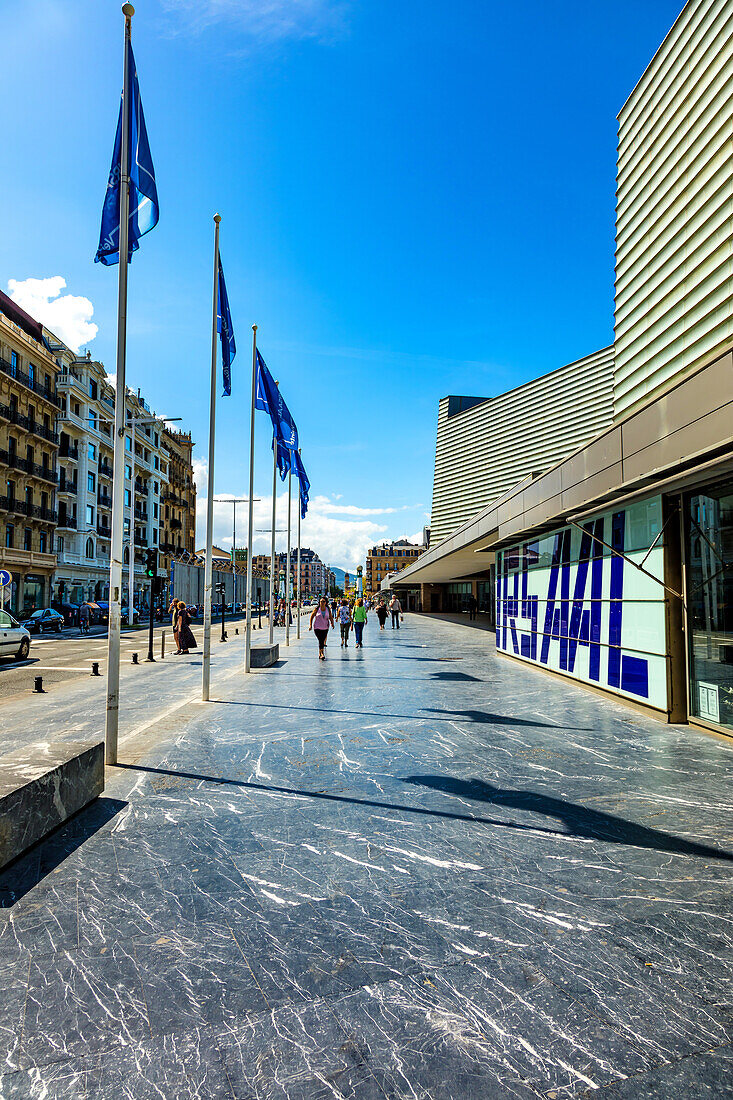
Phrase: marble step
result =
(41, 786)
(263, 655)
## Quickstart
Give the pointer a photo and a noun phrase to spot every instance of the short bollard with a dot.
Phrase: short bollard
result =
(134, 658)
(38, 684)
(95, 668)
(162, 645)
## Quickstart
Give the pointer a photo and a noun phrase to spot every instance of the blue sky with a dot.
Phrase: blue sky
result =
(417, 199)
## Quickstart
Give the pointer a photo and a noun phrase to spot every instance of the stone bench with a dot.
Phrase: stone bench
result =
(41, 786)
(264, 655)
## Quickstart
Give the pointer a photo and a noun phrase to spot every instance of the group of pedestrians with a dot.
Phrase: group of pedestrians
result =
(325, 616)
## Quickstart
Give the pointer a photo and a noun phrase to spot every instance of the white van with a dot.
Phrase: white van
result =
(15, 641)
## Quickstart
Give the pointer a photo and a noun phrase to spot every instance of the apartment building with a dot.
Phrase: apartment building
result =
(177, 529)
(28, 458)
(86, 448)
(388, 557)
(312, 571)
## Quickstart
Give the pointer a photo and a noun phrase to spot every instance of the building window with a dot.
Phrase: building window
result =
(155, 462)
(90, 515)
(128, 443)
(127, 498)
(42, 542)
(31, 373)
(13, 365)
(59, 545)
(155, 534)
(128, 472)
(92, 451)
(90, 548)
(92, 389)
(27, 536)
(9, 532)
(92, 421)
(91, 482)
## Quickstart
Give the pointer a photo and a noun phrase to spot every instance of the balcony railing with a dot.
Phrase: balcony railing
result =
(30, 383)
(175, 525)
(105, 470)
(104, 531)
(46, 473)
(141, 540)
(104, 500)
(69, 452)
(67, 486)
(67, 520)
(32, 511)
(22, 421)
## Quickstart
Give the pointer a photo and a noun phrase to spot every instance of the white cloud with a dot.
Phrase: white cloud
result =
(68, 316)
(342, 542)
(262, 19)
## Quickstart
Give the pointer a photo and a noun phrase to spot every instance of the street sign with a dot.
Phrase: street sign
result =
(6, 578)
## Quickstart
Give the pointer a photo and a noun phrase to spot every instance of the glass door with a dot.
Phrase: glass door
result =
(709, 579)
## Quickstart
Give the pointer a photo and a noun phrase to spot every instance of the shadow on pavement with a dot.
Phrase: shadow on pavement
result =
(625, 832)
(580, 821)
(481, 716)
(486, 718)
(43, 858)
(460, 676)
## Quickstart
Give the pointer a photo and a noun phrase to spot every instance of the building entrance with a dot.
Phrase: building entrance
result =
(709, 577)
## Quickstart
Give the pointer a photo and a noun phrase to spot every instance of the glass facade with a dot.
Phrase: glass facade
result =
(709, 582)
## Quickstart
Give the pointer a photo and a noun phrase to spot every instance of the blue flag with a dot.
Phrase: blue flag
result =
(143, 206)
(304, 483)
(269, 399)
(226, 331)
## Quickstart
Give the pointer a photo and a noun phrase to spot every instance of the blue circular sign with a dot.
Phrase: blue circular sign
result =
(5, 578)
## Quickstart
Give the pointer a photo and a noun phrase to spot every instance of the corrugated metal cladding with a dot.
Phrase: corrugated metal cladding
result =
(485, 450)
(674, 264)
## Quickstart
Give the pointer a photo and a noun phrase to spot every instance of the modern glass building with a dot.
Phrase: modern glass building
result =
(612, 564)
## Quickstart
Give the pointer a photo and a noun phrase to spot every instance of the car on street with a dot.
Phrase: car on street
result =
(15, 640)
(43, 620)
(135, 615)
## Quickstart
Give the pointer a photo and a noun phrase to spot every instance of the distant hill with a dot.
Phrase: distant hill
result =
(339, 575)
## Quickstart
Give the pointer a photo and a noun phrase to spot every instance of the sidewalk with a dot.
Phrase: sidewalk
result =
(412, 871)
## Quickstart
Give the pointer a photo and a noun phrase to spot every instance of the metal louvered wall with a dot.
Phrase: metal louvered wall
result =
(486, 449)
(674, 264)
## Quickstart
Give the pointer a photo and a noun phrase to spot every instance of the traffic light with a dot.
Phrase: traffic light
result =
(151, 562)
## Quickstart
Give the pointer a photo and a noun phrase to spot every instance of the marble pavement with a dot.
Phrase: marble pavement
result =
(412, 871)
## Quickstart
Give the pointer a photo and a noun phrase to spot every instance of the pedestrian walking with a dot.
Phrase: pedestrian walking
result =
(471, 608)
(320, 621)
(360, 621)
(395, 608)
(382, 614)
(344, 620)
(186, 640)
(84, 615)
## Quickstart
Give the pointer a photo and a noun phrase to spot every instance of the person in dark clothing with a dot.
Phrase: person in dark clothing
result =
(381, 614)
(471, 607)
(186, 639)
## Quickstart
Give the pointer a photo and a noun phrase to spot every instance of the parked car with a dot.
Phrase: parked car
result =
(70, 611)
(99, 612)
(15, 640)
(42, 620)
(135, 615)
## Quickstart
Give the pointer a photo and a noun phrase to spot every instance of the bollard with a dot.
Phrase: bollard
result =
(95, 668)
(162, 645)
(38, 685)
(134, 658)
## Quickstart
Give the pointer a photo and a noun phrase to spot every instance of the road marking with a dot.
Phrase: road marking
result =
(58, 668)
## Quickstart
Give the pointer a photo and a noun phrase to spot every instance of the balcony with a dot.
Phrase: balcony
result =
(30, 383)
(175, 525)
(104, 531)
(69, 452)
(32, 511)
(12, 414)
(15, 462)
(67, 486)
(67, 521)
(104, 500)
(104, 468)
(69, 379)
(141, 540)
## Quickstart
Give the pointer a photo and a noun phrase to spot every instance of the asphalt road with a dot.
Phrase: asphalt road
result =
(69, 656)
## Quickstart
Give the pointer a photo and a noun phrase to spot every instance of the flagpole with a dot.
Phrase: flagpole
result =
(287, 564)
(112, 714)
(273, 581)
(208, 569)
(131, 540)
(297, 598)
(250, 531)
